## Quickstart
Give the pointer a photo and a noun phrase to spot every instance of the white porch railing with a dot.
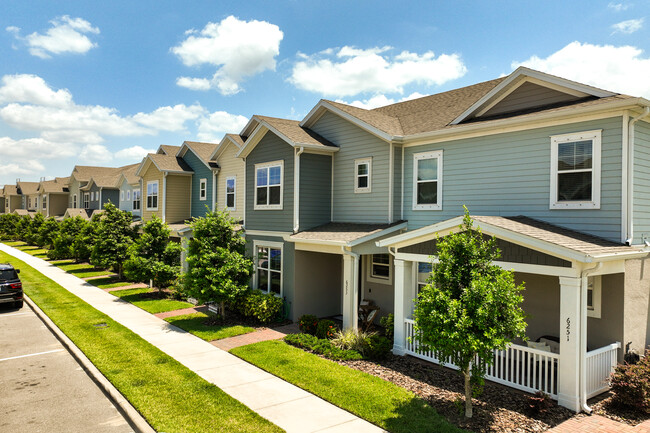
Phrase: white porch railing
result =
(600, 364)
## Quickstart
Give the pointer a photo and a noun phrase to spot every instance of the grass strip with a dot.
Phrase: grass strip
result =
(371, 398)
(81, 270)
(14, 243)
(170, 396)
(195, 324)
(108, 283)
(150, 305)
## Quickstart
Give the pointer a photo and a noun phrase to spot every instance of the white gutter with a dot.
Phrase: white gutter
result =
(214, 190)
(583, 334)
(629, 237)
(164, 196)
(245, 204)
(296, 189)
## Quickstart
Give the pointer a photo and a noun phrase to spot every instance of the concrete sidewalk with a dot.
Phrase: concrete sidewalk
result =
(286, 405)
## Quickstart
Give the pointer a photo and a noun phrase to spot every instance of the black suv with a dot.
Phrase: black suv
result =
(11, 289)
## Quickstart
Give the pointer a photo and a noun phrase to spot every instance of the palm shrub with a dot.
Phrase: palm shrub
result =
(114, 237)
(62, 245)
(218, 269)
(47, 233)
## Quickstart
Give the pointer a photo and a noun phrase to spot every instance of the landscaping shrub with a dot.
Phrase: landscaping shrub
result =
(539, 403)
(114, 237)
(307, 323)
(31, 233)
(47, 233)
(265, 307)
(321, 346)
(377, 347)
(631, 384)
(388, 322)
(84, 240)
(369, 345)
(8, 223)
(326, 328)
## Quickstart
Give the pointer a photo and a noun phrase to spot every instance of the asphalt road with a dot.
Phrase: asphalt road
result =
(42, 387)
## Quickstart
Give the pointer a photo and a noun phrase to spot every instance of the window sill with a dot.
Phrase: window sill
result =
(268, 207)
(575, 205)
(427, 207)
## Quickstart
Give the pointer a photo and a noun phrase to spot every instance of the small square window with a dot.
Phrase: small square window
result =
(362, 175)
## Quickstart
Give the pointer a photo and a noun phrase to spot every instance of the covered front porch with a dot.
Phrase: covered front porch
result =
(573, 342)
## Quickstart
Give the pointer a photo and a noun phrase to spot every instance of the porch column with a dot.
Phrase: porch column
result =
(350, 291)
(184, 246)
(403, 302)
(569, 367)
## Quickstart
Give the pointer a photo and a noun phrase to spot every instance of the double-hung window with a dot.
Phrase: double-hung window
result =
(423, 273)
(379, 269)
(136, 199)
(92, 195)
(269, 268)
(35, 202)
(86, 200)
(362, 175)
(427, 180)
(231, 184)
(152, 195)
(203, 189)
(268, 185)
(44, 202)
(74, 201)
(128, 195)
(575, 170)
(122, 195)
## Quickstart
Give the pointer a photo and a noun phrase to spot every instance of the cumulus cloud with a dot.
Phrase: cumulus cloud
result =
(32, 89)
(212, 128)
(169, 118)
(623, 69)
(350, 71)
(237, 48)
(95, 154)
(66, 35)
(618, 7)
(629, 26)
(29, 147)
(380, 101)
(28, 168)
(133, 153)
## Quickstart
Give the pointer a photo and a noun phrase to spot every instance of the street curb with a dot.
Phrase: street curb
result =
(132, 416)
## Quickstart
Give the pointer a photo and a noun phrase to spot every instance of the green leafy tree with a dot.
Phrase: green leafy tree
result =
(114, 237)
(22, 227)
(84, 241)
(218, 269)
(47, 232)
(31, 236)
(470, 306)
(62, 246)
(8, 223)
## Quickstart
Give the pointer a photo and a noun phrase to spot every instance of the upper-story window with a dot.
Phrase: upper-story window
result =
(128, 195)
(35, 202)
(203, 189)
(427, 180)
(575, 170)
(231, 184)
(136, 199)
(86, 200)
(44, 202)
(74, 201)
(152, 195)
(268, 185)
(92, 195)
(122, 195)
(379, 269)
(362, 174)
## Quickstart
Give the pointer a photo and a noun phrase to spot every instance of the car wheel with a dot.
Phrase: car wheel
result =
(18, 304)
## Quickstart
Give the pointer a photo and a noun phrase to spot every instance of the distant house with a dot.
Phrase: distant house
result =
(229, 192)
(128, 184)
(197, 156)
(79, 178)
(53, 196)
(29, 195)
(12, 198)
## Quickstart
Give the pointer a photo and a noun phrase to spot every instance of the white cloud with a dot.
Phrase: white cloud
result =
(32, 89)
(622, 69)
(618, 7)
(213, 127)
(95, 154)
(169, 118)
(67, 35)
(351, 71)
(629, 26)
(34, 147)
(380, 101)
(238, 49)
(133, 153)
(25, 168)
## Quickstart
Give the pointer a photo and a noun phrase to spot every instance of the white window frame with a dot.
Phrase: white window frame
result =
(377, 279)
(74, 201)
(416, 276)
(268, 165)
(122, 195)
(35, 202)
(128, 195)
(152, 182)
(86, 203)
(435, 154)
(357, 163)
(596, 139)
(596, 296)
(137, 200)
(92, 195)
(276, 246)
(234, 193)
(203, 189)
(44, 202)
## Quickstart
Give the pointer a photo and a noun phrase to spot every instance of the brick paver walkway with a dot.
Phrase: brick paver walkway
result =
(255, 337)
(183, 311)
(598, 424)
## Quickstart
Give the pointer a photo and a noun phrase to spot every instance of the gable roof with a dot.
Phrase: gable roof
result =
(83, 173)
(228, 139)
(53, 186)
(167, 149)
(128, 173)
(10, 190)
(203, 151)
(28, 188)
(288, 130)
(165, 163)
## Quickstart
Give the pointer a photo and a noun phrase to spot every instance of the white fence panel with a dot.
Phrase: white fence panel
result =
(600, 364)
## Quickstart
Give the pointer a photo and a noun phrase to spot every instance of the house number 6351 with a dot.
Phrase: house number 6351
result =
(568, 328)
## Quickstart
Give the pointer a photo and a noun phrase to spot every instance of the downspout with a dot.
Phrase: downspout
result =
(583, 334)
(214, 190)
(296, 189)
(332, 190)
(164, 197)
(245, 186)
(629, 238)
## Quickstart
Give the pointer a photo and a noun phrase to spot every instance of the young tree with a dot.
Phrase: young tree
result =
(22, 227)
(8, 223)
(219, 270)
(47, 232)
(84, 240)
(470, 306)
(31, 235)
(62, 246)
(114, 236)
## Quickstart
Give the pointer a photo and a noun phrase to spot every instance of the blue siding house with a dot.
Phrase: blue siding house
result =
(197, 156)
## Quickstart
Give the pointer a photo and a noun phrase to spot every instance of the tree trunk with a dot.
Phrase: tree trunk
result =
(222, 310)
(468, 391)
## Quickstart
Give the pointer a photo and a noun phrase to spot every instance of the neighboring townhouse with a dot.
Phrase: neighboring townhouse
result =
(128, 184)
(101, 190)
(12, 198)
(197, 156)
(165, 182)
(2, 202)
(53, 196)
(230, 181)
(79, 178)
(29, 195)
(554, 169)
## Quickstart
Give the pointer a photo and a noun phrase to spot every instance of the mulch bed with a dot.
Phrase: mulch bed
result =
(498, 409)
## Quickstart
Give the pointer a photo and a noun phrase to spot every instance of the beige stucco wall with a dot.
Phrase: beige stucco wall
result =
(151, 174)
(636, 304)
(382, 293)
(178, 198)
(318, 284)
(231, 167)
(58, 203)
(14, 203)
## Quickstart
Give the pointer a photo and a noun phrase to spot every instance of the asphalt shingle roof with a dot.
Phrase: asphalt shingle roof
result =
(169, 163)
(203, 150)
(294, 132)
(341, 232)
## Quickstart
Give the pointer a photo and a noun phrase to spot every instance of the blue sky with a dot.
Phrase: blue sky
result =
(102, 83)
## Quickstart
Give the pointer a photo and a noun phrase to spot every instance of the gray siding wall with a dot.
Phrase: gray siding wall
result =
(355, 143)
(509, 174)
(641, 182)
(112, 195)
(315, 190)
(93, 202)
(270, 148)
(201, 171)
(126, 205)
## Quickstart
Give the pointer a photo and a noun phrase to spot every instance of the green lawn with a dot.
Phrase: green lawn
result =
(170, 396)
(152, 306)
(81, 270)
(108, 283)
(193, 323)
(14, 244)
(369, 397)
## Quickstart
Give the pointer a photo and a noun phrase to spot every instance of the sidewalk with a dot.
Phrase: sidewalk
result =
(286, 405)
